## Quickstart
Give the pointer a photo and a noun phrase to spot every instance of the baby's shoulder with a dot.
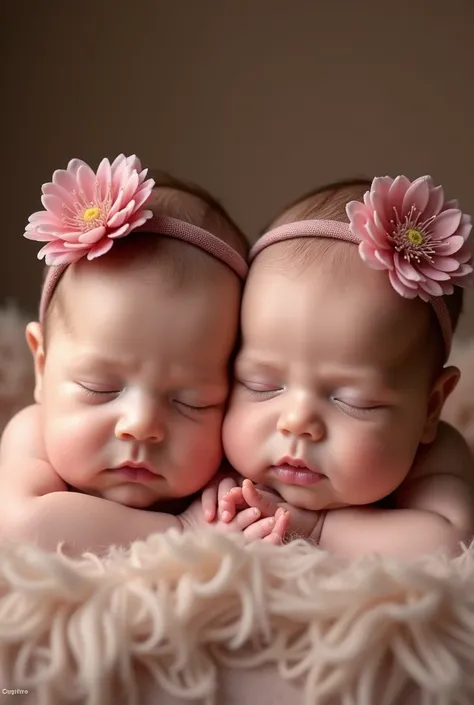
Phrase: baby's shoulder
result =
(22, 435)
(25, 471)
(449, 453)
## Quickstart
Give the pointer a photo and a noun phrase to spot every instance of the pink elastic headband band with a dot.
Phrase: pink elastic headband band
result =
(336, 230)
(162, 225)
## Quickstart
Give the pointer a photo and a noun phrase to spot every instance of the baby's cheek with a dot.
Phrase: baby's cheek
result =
(67, 441)
(242, 439)
(371, 469)
(233, 432)
(197, 456)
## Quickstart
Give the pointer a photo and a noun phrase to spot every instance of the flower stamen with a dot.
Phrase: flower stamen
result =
(87, 214)
(91, 213)
(413, 237)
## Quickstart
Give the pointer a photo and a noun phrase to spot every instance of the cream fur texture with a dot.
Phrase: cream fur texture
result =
(183, 606)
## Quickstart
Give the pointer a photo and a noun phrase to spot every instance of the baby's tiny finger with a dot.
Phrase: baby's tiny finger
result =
(260, 529)
(282, 520)
(255, 498)
(247, 518)
(225, 486)
(209, 502)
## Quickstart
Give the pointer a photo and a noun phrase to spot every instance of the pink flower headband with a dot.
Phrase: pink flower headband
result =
(406, 228)
(85, 212)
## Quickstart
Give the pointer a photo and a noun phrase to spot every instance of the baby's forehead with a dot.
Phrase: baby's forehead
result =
(332, 301)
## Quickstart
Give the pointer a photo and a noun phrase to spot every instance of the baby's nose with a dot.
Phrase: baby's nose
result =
(142, 421)
(300, 418)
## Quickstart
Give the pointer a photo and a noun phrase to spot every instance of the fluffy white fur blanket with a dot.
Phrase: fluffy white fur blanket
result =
(203, 618)
(174, 612)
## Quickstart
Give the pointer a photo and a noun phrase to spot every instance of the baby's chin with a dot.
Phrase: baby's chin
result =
(132, 495)
(313, 500)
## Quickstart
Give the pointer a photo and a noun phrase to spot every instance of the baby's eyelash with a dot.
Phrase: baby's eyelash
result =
(197, 408)
(358, 409)
(97, 393)
(259, 392)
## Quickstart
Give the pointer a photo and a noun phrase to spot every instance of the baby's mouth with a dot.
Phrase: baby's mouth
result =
(136, 472)
(295, 471)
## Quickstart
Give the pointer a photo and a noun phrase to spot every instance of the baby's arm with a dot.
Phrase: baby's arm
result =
(35, 504)
(434, 508)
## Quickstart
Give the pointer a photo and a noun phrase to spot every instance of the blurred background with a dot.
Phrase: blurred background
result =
(256, 100)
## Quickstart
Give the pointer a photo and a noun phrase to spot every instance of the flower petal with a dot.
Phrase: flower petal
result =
(54, 206)
(465, 254)
(119, 218)
(116, 204)
(55, 190)
(385, 257)
(432, 273)
(435, 202)
(379, 237)
(431, 287)
(399, 287)
(120, 232)
(131, 186)
(141, 220)
(142, 196)
(65, 179)
(104, 177)
(75, 246)
(397, 192)
(367, 254)
(464, 230)
(407, 269)
(417, 195)
(407, 282)
(463, 271)
(100, 248)
(64, 258)
(449, 246)
(56, 249)
(142, 176)
(446, 224)
(379, 195)
(454, 203)
(91, 237)
(63, 233)
(40, 218)
(445, 264)
(73, 167)
(86, 180)
(36, 235)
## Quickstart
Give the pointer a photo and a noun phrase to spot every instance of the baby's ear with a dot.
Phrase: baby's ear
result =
(444, 384)
(34, 338)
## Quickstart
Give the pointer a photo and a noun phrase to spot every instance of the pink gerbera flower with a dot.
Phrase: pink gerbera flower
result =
(86, 211)
(408, 229)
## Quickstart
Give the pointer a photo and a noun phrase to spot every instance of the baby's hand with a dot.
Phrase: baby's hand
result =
(269, 529)
(299, 522)
(214, 493)
(238, 502)
(254, 514)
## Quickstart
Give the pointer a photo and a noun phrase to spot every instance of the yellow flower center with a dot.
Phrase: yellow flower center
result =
(415, 237)
(91, 214)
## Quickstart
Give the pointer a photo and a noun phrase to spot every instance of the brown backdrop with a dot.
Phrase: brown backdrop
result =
(258, 100)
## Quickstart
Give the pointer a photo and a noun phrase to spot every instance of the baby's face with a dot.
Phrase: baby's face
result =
(135, 384)
(331, 391)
